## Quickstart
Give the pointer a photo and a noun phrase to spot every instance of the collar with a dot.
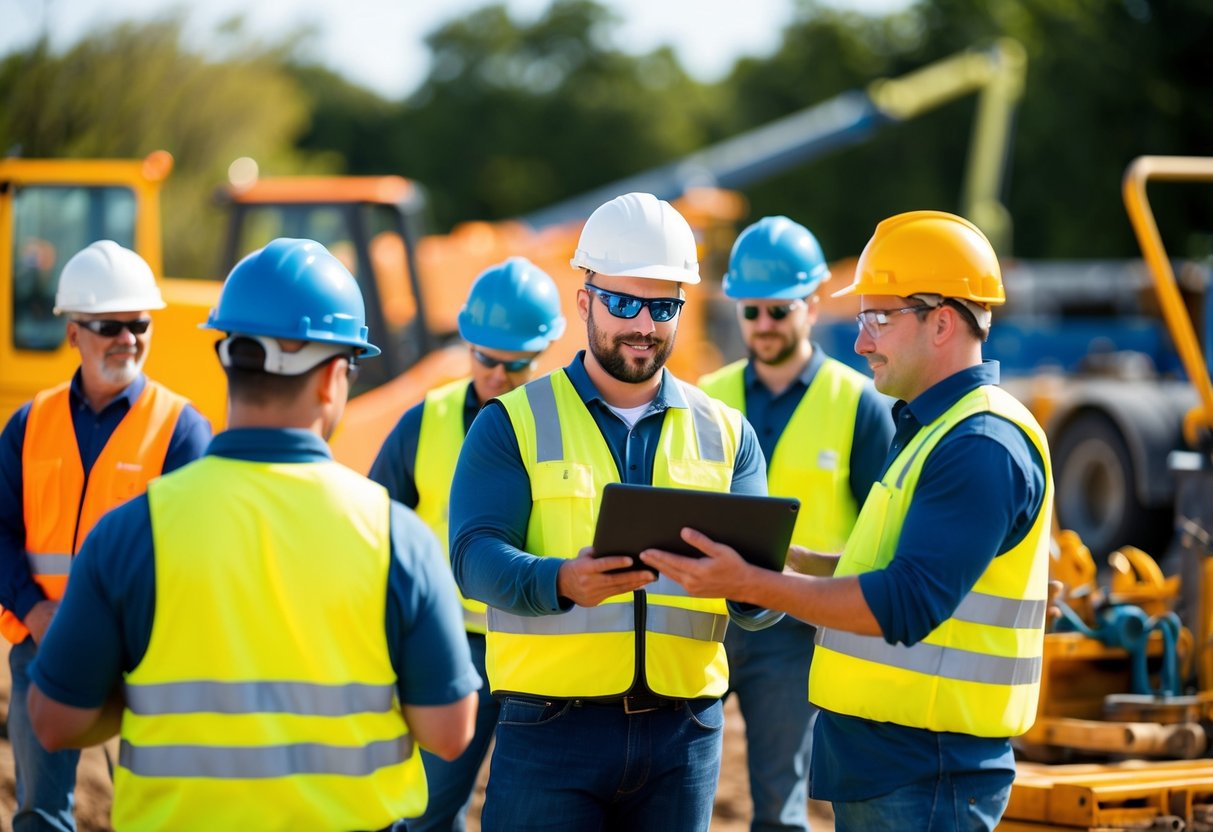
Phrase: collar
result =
(669, 394)
(270, 445)
(930, 404)
(129, 394)
(807, 373)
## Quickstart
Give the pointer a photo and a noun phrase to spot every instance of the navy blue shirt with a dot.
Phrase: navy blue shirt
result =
(979, 492)
(18, 592)
(103, 626)
(770, 413)
(395, 466)
(491, 499)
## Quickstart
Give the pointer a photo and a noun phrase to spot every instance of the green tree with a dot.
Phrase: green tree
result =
(126, 91)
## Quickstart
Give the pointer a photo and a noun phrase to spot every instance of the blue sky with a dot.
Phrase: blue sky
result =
(379, 43)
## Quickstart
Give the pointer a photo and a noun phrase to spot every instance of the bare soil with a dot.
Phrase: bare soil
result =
(94, 791)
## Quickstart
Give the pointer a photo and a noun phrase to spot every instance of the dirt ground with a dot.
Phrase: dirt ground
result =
(93, 791)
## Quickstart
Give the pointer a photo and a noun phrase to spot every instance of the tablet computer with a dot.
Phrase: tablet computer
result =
(633, 518)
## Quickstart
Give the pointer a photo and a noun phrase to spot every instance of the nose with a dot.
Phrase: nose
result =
(864, 343)
(125, 337)
(644, 322)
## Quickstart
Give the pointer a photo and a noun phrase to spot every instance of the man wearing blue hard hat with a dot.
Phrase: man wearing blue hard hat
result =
(511, 316)
(825, 432)
(272, 637)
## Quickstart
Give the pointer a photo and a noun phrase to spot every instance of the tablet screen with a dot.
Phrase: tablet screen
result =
(633, 518)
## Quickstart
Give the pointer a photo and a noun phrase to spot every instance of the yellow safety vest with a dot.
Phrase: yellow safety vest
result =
(61, 506)
(812, 459)
(592, 651)
(978, 672)
(438, 444)
(267, 698)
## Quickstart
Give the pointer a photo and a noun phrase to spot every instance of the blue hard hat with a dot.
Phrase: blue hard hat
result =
(293, 289)
(512, 306)
(776, 259)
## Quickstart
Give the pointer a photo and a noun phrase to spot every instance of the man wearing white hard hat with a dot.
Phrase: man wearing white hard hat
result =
(609, 683)
(74, 452)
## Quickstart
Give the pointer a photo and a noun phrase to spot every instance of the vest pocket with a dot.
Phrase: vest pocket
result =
(701, 474)
(562, 491)
(863, 551)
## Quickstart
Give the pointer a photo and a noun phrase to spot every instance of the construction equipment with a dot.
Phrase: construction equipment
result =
(1105, 689)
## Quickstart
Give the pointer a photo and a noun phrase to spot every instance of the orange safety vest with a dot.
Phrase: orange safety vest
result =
(62, 505)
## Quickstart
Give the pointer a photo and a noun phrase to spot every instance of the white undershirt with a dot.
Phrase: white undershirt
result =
(630, 415)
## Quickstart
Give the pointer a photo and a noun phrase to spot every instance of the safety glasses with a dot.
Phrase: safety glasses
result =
(515, 365)
(108, 328)
(872, 320)
(775, 313)
(629, 306)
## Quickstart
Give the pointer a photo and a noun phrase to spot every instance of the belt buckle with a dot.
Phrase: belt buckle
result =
(632, 706)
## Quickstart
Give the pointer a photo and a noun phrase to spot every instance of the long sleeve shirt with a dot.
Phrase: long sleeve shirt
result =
(979, 492)
(491, 499)
(18, 592)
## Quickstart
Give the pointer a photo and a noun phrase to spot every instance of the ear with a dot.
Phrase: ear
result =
(583, 304)
(946, 323)
(813, 301)
(329, 380)
(73, 334)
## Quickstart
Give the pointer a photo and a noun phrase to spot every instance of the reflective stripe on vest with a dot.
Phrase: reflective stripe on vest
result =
(60, 506)
(438, 443)
(592, 651)
(812, 458)
(257, 566)
(978, 672)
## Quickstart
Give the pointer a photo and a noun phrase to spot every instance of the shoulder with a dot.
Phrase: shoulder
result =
(414, 546)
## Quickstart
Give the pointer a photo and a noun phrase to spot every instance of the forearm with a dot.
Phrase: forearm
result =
(60, 726)
(503, 576)
(836, 603)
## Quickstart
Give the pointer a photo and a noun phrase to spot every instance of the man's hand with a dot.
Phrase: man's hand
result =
(38, 619)
(1057, 594)
(719, 574)
(583, 580)
(807, 562)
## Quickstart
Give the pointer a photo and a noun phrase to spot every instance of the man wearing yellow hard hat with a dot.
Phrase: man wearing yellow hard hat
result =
(931, 621)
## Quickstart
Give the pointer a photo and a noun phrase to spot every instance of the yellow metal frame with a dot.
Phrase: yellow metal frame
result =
(1140, 172)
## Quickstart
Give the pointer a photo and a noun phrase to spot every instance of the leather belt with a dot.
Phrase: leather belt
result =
(633, 703)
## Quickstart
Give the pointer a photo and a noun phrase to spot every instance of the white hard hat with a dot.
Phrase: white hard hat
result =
(105, 277)
(638, 235)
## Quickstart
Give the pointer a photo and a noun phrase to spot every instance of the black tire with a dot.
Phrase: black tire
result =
(1096, 493)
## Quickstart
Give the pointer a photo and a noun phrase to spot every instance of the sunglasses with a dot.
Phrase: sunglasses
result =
(776, 313)
(629, 306)
(108, 328)
(515, 365)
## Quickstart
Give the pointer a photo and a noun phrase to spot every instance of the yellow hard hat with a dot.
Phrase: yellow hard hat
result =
(930, 252)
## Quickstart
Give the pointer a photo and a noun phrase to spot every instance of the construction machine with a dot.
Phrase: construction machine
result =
(1128, 671)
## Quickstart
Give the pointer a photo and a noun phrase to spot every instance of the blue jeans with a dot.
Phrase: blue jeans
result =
(451, 784)
(769, 672)
(562, 767)
(46, 781)
(971, 802)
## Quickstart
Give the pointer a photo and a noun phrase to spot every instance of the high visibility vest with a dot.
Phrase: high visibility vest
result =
(592, 651)
(267, 698)
(438, 444)
(978, 672)
(61, 506)
(812, 459)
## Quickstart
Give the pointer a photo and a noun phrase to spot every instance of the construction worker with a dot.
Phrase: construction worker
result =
(511, 315)
(609, 681)
(931, 623)
(270, 634)
(824, 431)
(74, 452)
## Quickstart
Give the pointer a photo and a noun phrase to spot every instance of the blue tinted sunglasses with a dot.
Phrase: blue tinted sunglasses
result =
(629, 306)
(517, 365)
